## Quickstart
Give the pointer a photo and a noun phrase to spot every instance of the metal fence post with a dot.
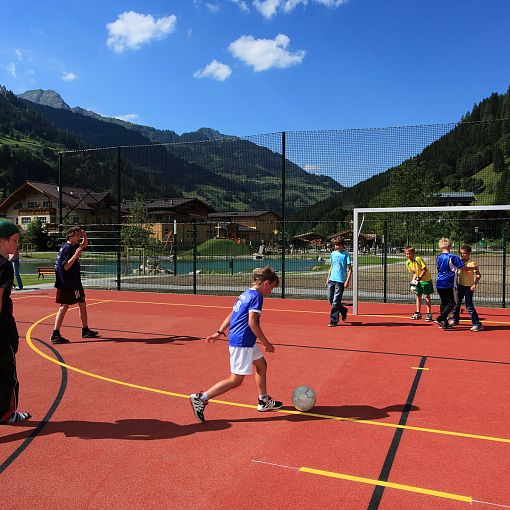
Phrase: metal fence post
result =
(503, 283)
(119, 217)
(194, 227)
(60, 192)
(385, 262)
(283, 215)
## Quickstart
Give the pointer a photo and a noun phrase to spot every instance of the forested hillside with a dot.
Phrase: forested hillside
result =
(473, 157)
(226, 172)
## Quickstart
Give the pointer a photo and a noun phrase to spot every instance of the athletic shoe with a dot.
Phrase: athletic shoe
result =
(451, 322)
(439, 322)
(198, 406)
(18, 416)
(268, 404)
(88, 333)
(416, 316)
(344, 315)
(428, 317)
(476, 327)
(58, 339)
(332, 324)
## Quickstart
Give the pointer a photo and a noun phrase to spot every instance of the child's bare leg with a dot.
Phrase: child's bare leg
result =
(260, 375)
(223, 386)
(418, 303)
(428, 303)
(83, 314)
(59, 319)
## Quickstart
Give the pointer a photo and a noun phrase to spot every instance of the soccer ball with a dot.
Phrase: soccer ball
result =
(303, 398)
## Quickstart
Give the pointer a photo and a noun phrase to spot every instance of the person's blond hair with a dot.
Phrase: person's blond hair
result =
(444, 243)
(412, 249)
(262, 274)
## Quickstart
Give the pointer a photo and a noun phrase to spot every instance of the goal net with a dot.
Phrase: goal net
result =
(380, 236)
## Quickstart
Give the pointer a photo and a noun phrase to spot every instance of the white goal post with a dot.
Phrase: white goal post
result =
(357, 227)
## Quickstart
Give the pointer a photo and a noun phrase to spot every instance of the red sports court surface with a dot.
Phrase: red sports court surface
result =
(408, 415)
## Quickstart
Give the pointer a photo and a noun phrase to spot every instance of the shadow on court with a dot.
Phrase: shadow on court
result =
(152, 429)
(145, 339)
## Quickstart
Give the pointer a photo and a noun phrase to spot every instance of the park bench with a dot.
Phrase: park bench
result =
(41, 271)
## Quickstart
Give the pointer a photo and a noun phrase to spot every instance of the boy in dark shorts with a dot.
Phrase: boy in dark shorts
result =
(9, 386)
(68, 283)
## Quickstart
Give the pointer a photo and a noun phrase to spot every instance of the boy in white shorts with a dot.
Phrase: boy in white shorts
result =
(243, 332)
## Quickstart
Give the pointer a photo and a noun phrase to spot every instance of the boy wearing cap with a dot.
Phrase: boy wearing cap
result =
(9, 338)
(338, 279)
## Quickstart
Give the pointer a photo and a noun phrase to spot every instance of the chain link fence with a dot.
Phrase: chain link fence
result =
(199, 216)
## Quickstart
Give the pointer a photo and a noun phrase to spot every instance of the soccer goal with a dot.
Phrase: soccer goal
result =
(380, 235)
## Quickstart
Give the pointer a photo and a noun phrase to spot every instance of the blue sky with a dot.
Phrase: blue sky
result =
(250, 67)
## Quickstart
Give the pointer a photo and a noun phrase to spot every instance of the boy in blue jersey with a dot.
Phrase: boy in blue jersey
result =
(447, 267)
(338, 279)
(68, 283)
(243, 325)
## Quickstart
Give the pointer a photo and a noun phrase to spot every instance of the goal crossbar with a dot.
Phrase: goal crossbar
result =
(362, 210)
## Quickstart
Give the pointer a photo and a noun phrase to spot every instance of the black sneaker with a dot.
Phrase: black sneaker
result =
(267, 405)
(198, 406)
(332, 324)
(88, 333)
(344, 315)
(58, 339)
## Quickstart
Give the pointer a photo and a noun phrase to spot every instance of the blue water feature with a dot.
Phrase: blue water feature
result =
(216, 264)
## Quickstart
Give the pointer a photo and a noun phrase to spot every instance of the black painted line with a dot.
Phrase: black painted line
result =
(375, 500)
(35, 432)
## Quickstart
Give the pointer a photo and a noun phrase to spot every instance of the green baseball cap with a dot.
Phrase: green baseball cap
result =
(7, 228)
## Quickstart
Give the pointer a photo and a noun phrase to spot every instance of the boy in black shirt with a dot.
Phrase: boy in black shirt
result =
(68, 283)
(9, 338)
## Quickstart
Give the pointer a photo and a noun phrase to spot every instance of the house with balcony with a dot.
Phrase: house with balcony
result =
(40, 200)
(247, 226)
(190, 215)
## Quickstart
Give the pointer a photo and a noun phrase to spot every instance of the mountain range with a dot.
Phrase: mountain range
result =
(228, 173)
(231, 173)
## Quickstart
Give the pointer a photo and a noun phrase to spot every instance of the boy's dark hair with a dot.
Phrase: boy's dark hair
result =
(71, 231)
(339, 242)
(262, 274)
(466, 248)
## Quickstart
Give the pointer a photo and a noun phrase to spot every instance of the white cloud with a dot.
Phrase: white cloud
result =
(19, 55)
(214, 8)
(11, 69)
(215, 70)
(263, 54)
(312, 168)
(69, 76)
(132, 29)
(243, 6)
(268, 8)
(128, 117)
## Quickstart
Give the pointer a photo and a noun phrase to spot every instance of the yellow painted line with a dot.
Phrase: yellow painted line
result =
(248, 406)
(420, 368)
(391, 485)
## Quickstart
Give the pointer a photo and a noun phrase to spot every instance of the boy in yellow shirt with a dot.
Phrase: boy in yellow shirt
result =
(469, 276)
(423, 281)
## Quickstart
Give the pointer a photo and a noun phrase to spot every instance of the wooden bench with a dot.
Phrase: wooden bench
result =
(41, 271)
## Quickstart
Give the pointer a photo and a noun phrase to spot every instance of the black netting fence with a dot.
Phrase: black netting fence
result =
(199, 216)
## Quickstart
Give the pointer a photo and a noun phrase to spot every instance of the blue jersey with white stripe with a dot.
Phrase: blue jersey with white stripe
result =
(240, 333)
(447, 266)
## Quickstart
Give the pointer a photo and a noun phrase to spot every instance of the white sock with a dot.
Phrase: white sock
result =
(265, 396)
(204, 397)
